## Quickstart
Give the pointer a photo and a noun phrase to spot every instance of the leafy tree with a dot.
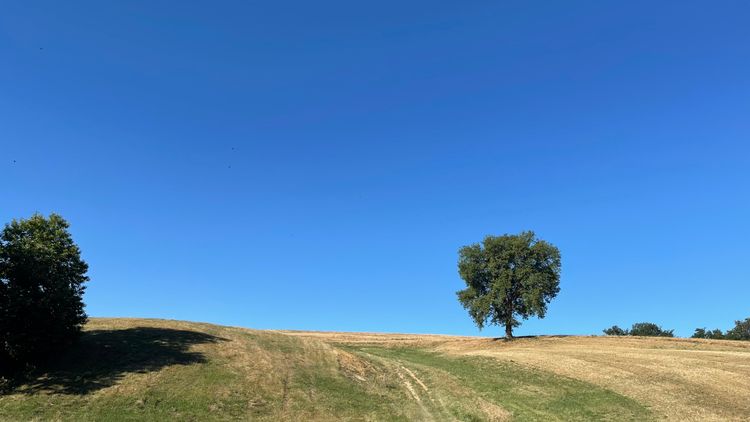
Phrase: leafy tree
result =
(649, 329)
(741, 330)
(616, 331)
(508, 277)
(41, 288)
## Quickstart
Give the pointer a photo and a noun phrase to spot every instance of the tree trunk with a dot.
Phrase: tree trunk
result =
(508, 331)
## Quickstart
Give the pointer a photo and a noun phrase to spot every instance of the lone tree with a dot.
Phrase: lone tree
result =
(507, 277)
(41, 289)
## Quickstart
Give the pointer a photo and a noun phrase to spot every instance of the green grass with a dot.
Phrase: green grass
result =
(526, 393)
(157, 370)
(152, 370)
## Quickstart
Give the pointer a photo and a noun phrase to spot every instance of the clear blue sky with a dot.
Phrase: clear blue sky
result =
(316, 165)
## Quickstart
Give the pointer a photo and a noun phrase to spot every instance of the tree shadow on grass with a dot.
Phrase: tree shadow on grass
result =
(532, 337)
(102, 357)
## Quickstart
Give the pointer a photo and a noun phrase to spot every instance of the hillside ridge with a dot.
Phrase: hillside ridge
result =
(152, 369)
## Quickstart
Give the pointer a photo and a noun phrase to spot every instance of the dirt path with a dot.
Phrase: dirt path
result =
(406, 381)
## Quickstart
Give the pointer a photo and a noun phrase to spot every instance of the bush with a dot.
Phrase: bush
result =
(640, 329)
(741, 330)
(41, 289)
(616, 331)
(649, 329)
(703, 333)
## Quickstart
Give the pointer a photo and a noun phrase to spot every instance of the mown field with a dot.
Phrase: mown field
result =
(139, 369)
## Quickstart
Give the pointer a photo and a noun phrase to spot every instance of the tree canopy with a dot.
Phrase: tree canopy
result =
(41, 288)
(508, 277)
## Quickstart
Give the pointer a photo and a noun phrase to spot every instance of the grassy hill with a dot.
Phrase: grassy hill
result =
(138, 369)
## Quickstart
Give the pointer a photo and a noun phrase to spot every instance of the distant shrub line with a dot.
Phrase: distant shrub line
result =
(741, 331)
(648, 329)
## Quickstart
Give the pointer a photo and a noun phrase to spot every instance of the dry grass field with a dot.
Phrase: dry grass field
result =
(140, 369)
(678, 379)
